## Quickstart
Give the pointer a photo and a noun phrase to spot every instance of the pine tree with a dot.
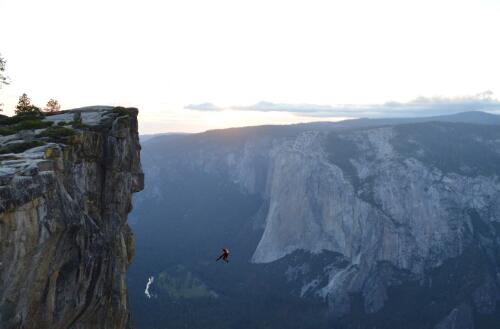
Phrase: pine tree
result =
(52, 106)
(3, 79)
(24, 106)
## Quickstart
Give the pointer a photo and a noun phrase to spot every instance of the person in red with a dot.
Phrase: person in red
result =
(224, 256)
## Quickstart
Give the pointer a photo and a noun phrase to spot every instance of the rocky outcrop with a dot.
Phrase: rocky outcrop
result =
(64, 241)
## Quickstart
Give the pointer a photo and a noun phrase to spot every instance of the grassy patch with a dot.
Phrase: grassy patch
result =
(4, 131)
(19, 118)
(33, 124)
(11, 125)
(20, 147)
(57, 132)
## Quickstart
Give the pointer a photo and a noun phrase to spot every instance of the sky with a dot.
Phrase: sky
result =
(193, 65)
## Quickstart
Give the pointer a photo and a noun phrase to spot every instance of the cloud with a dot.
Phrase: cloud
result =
(208, 107)
(421, 106)
(283, 107)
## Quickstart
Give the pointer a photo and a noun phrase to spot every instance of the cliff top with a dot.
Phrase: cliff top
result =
(26, 141)
(66, 185)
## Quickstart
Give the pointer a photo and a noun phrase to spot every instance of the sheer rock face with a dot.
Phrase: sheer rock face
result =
(64, 241)
(377, 207)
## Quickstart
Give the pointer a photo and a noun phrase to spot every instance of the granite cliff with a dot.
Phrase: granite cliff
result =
(65, 192)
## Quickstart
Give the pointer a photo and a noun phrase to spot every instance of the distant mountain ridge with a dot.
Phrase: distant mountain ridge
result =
(473, 117)
(146, 137)
(477, 117)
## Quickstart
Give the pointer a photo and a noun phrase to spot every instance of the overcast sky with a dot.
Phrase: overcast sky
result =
(192, 65)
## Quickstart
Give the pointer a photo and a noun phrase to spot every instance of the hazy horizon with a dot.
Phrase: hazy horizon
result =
(193, 65)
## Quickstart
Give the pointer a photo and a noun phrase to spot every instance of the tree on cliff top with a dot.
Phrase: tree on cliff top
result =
(52, 106)
(3, 79)
(24, 106)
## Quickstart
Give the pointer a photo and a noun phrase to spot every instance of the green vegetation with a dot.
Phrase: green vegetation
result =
(24, 106)
(57, 132)
(180, 283)
(62, 123)
(33, 124)
(18, 118)
(4, 131)
(19, 147)
(12, 125)
(27, 116)
(122, 111)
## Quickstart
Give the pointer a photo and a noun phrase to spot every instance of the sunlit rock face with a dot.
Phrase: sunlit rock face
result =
(64, 241)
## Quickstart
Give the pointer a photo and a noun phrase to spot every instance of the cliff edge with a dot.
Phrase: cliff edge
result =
(66, 184)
